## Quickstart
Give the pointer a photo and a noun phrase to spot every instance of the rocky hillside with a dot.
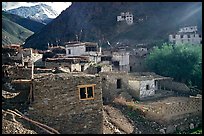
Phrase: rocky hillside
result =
(13, 33)
(94, 21)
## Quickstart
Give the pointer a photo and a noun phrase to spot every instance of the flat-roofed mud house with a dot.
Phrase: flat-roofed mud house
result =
(92, 50)
(141, 86)
(68, 102)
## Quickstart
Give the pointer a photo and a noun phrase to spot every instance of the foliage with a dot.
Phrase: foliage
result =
(13, 33)
(197, 132)
(182, 62)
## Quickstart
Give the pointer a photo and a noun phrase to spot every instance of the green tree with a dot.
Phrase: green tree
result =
(182, 62)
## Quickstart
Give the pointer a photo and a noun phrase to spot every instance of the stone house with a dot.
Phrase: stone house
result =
(146, 84)
(69, 102)
(141, 86)
(137, 59)
(120, 60)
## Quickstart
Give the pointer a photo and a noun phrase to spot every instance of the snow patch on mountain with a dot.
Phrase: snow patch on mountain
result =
(41, 13)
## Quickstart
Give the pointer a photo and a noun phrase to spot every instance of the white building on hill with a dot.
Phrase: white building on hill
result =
(126, 16)
(186, 35)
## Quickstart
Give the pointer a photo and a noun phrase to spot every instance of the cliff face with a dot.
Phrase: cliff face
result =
(94, 21)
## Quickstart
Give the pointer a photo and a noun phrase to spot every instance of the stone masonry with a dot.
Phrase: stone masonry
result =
(57, 103)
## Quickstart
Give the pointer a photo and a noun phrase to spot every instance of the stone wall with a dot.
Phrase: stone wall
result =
(175, 86)
(109, 84)
(137, 64)
(56, 64)
(176, 108)
(57, 103)
(125, 68)
(15, 72)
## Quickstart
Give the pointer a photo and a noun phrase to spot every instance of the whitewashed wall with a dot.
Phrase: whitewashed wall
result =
(123, 57)
(143, 91)
(76, 51)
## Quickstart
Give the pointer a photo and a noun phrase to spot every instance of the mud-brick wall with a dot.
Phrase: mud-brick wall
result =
(57, 103)
(15, 72)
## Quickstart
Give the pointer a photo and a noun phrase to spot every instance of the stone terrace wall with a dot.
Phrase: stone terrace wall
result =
(175, 109)
(57, 104)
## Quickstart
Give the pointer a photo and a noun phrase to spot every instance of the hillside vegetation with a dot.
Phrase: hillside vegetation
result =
(182, 62)
(29, 24)
(13, 33)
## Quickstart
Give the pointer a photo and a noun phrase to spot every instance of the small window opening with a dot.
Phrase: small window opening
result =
(82, 68)
(83, 93)
(147, 87)
(90, 92)
(69, 51)
(118, 83)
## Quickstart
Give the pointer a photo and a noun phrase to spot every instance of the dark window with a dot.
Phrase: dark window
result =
(91, 48)
(200, 35)
(189, 36)
(116, 63)
(147, 87)
(98, 69)
(106, 58)
(174, 36)
(181, 36)
(118, 83)
(82, 68)
(130, 68)
(26, 64)
(69, 51)
(82, 93)
(90, 92)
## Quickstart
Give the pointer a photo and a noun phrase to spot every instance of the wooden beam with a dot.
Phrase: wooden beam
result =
(21, 81)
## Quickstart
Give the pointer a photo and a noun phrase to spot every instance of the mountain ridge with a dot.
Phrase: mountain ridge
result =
(96, 21)
(42, 13)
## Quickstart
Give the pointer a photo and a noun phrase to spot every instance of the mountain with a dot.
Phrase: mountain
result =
(94, 21)
(29, 24)
(41, 13)
(13, 33)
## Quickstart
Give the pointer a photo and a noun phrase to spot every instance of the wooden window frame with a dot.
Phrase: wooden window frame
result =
(86, 86)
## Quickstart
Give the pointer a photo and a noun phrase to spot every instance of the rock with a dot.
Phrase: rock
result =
(170, 129)
(162, 131)
(30, 108)
(191, 126)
